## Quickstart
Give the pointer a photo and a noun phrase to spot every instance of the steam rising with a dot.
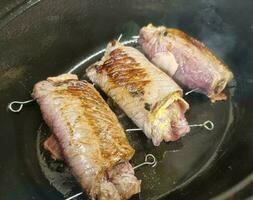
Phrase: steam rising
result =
(214, 32)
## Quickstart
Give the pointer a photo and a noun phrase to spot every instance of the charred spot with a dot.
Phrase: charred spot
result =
(77, 85)
(107, 62)
(147, 106)
(165, 33)
(98, 68)
(136, 93)
(117, 52)
(113, 43)
(62, 82)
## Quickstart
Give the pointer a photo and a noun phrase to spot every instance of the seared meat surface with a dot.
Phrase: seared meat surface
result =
(90, 137)
(185, 59)
(146, 94)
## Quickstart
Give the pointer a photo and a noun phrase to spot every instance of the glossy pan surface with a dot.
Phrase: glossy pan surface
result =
(45, 38)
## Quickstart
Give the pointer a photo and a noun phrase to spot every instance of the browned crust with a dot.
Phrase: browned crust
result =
(190, 41)
(219, 97)
(124, 71)
(90, 97)
(97, 113)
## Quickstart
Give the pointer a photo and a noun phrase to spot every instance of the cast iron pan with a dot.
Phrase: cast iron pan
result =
(45, 38)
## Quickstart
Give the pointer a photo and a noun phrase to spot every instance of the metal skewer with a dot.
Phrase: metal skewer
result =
(191, 91)
(208, 125)
(133, 129)
(149, 160)
(20, 105)
(136, 37)
(133, 40)
(74, 196)
(120, 36)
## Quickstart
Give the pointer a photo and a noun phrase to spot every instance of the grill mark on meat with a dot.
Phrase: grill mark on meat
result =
(125, 71)
(87, 97)
(96, 117)
(92, 142)
(148, 111)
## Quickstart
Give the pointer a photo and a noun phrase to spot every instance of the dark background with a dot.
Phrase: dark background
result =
(44, 38)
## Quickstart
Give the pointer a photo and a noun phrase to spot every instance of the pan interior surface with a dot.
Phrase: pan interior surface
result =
(51, 37)
(178, 162)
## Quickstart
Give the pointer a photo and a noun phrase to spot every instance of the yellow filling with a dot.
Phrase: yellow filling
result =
(158, 116)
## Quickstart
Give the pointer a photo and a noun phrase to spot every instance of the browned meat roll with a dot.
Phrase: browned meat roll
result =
(92, 142)
(146, 94)
(186, 60)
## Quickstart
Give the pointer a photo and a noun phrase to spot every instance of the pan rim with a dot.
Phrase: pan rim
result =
(245, 182)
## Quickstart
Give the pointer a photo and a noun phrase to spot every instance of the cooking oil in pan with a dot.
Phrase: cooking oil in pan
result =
(56, 172)
(179, 162)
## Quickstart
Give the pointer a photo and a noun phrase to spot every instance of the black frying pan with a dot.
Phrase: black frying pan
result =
(44, 38)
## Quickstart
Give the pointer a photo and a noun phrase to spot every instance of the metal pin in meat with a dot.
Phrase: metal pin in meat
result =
(146, 94)
(91, 139)
(185, 59)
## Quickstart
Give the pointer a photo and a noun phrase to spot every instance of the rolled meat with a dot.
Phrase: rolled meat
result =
(92, 142)
(146, 94)
(186, 60)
